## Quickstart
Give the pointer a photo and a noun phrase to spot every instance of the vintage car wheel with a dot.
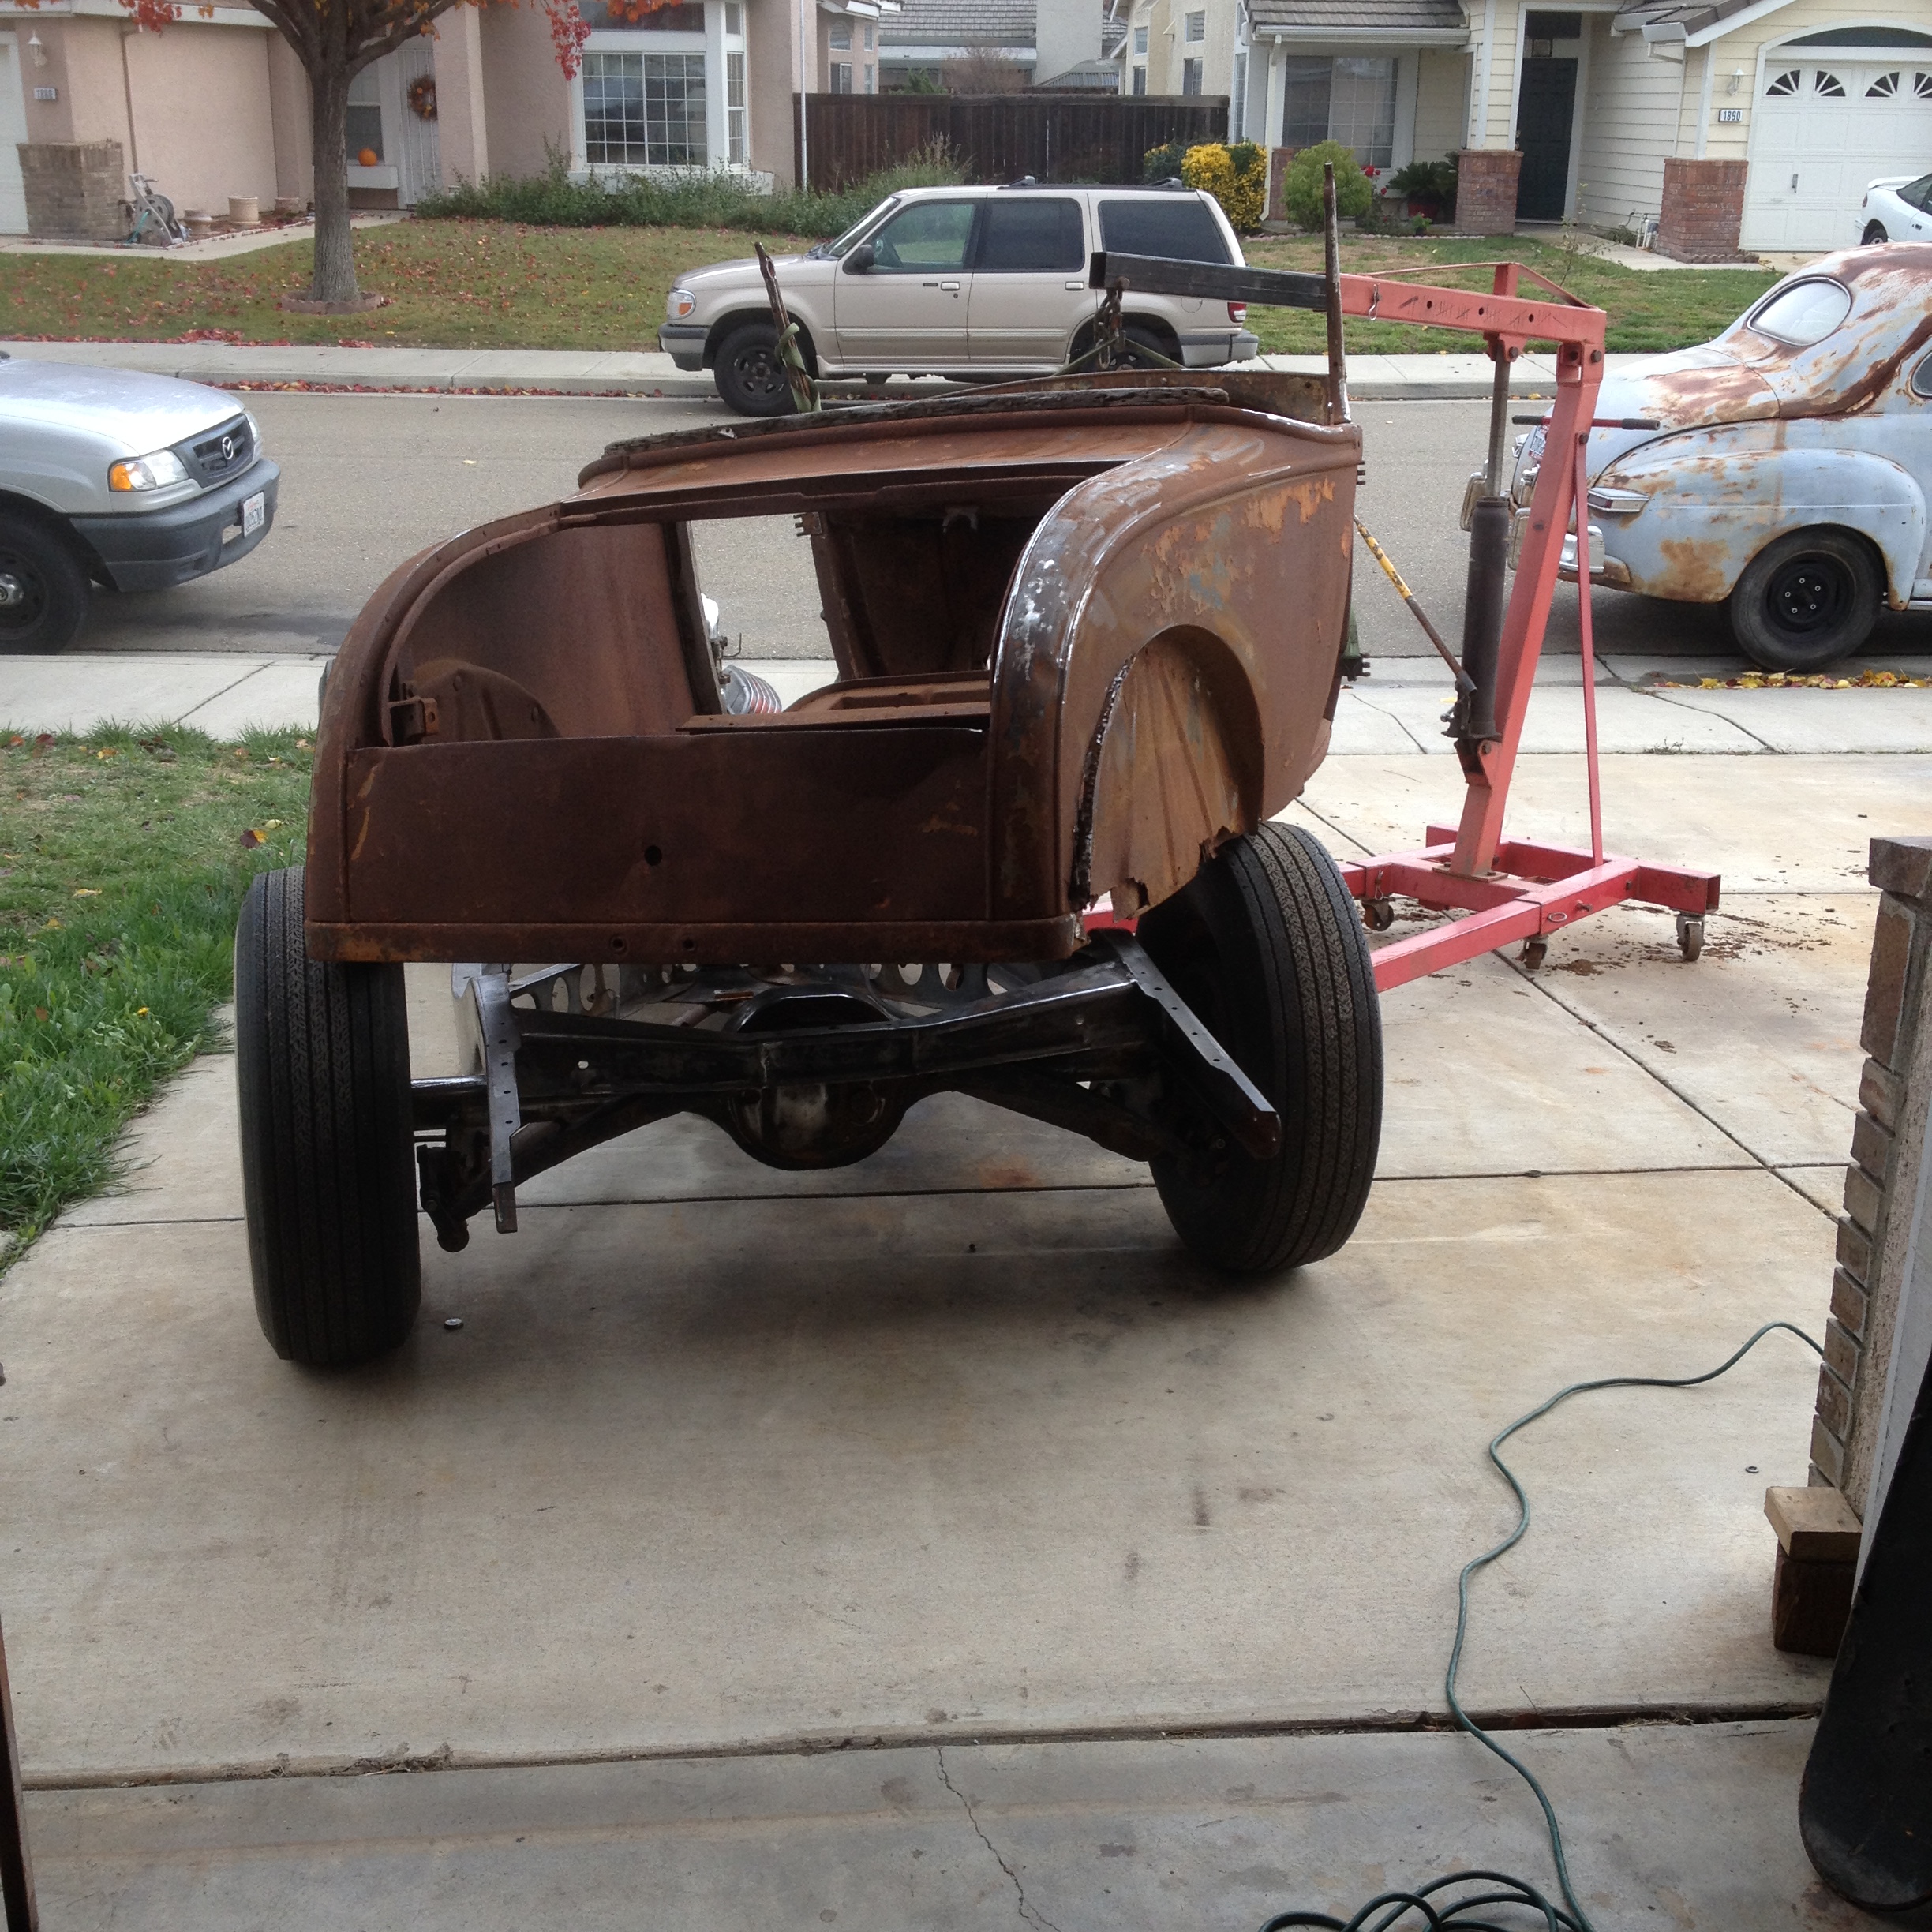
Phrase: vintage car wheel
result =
(43, 588)
(1807, 600)
(1266, 946)
(749, 376)
(327, 1182)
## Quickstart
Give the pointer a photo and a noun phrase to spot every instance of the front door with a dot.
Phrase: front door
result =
(907, 311)
(1029, 284)
(1545, 112)
(416, 117)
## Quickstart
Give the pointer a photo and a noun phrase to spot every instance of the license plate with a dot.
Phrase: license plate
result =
(254, 513)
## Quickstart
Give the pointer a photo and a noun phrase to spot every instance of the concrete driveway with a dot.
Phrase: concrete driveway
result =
(931, 1542)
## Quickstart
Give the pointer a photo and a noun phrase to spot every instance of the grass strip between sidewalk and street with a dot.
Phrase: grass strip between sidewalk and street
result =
(478, 284)
(123, 859)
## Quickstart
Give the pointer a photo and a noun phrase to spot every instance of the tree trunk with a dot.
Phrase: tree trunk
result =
(334, 254)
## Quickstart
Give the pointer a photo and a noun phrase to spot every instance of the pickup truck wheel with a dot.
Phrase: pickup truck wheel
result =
(1807, 600)
(1266, 946)
(749, 376)
(43, 588)
(327, 1182)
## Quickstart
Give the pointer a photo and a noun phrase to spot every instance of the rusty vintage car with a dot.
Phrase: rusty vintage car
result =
(1088, 642)
(1784, 469)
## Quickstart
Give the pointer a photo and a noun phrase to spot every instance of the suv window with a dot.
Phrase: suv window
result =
(1033, 236)
(1176, 226)
(928, 237)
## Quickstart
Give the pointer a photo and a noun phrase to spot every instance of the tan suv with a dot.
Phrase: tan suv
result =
(960, 281)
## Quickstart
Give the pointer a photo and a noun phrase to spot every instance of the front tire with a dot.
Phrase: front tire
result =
(322, 1066)
(1266, 946)
(43, 587)
(750, 378)
(1807, 600)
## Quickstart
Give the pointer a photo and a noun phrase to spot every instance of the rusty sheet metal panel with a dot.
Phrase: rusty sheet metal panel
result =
(1684, 514)
(1237, 542)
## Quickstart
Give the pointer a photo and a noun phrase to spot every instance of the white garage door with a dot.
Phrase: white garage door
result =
(1822, 130)
(13, 131)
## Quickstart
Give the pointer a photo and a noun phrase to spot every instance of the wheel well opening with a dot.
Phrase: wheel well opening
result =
(738, 318)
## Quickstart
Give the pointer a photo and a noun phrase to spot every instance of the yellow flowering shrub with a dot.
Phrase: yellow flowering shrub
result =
(1236, 177)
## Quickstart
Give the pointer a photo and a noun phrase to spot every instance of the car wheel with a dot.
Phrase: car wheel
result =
(1146, 348)
(43, 587)
(1874, 233)
(749, 376)
(1266, 946)
(1807, 600)
(327, 1182)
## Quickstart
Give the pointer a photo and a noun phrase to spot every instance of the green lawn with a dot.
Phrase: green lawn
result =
(123, 859)
(486, 284)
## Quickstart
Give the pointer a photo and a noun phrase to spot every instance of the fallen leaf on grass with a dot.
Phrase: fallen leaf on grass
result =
(53, 925)
(40, 1013)
(41, 742)
(251, 838)
(87, 892)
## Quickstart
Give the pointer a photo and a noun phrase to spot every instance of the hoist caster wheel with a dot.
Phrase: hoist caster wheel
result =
(1690, 935)
(1378, 915)
(1534, 953)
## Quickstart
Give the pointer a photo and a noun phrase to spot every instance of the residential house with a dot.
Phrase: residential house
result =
(1056, 44)
(217, 104)
(1722, 124)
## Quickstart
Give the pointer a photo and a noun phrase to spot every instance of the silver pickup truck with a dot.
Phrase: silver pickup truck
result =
(110, 477)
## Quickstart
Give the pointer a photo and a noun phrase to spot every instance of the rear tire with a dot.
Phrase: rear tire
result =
(1874, 234)
(322, 1066)
(1147, 347)
(1267, 947)
(749, 376)
(1807, 600)
(43, 587)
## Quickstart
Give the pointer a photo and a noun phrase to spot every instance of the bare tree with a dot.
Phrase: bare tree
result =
(983, 72)
(334, 40)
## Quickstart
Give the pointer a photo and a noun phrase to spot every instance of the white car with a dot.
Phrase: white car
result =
(1783, 471)
(108, 477)
(962, 281)
(1894, 210)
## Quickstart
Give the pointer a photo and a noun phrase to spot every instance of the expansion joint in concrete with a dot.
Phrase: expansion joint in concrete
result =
(1029, 1914)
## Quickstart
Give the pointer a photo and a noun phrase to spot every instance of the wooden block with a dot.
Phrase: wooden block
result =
(1815, 1525)
(1810, 1605)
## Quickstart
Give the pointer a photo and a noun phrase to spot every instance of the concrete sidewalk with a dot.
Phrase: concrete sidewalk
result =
(1396, 709)
(1372, 378)
(855, 1543)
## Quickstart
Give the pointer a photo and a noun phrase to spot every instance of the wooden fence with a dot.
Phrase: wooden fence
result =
(1000, 138)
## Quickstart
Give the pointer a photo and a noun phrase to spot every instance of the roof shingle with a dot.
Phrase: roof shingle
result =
(1343, 17)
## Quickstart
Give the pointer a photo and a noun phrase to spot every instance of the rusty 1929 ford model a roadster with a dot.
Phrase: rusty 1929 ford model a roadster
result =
(1088, 642)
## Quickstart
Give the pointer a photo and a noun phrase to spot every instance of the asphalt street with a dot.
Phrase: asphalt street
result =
(368, 480)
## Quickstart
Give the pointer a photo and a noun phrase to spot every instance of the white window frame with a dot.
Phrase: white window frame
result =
(712, 42)
(1189, 22)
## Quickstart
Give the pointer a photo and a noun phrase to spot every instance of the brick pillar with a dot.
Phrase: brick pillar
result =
(1888, 1145)
(75, 190)
(1486, 190)
(1703, 210)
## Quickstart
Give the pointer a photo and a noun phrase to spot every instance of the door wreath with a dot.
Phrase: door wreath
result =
(422, 97)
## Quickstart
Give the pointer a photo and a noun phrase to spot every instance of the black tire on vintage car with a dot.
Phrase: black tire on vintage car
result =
(43, 586)
(1807, 600)
(750, 378)
(322, 1064)
(1267, 947)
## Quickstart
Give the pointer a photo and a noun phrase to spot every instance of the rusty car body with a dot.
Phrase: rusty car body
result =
(1786, 467)
(1087, 640)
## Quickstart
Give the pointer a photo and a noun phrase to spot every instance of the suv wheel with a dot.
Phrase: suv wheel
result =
(43, 588)
(1147, 347)
(1807, 600)
(749, 376)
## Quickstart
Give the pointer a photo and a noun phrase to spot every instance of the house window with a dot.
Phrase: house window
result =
(1350, 100)
(1140, 34)
(1237, 108)
(1140, 80)
(841, 78)
(1785, 83)
(362, 123)
(734, 21)
(1829, 84)
(840, 37)
(1190, 77)
(1883, 88)
(735, 106)
(1922, 86)
(868, 36)
(871, 78)
(1194, 28)
(644, 110)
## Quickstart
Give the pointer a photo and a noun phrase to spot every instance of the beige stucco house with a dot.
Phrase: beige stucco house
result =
(1767, 118)
(217, 106)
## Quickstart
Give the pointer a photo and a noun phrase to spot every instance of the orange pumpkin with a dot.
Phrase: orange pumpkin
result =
(368, 158)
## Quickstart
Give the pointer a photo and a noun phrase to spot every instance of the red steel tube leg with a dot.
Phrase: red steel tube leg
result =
(1580, 495)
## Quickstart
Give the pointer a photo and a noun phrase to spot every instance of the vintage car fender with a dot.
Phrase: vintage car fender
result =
(1685, 514)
